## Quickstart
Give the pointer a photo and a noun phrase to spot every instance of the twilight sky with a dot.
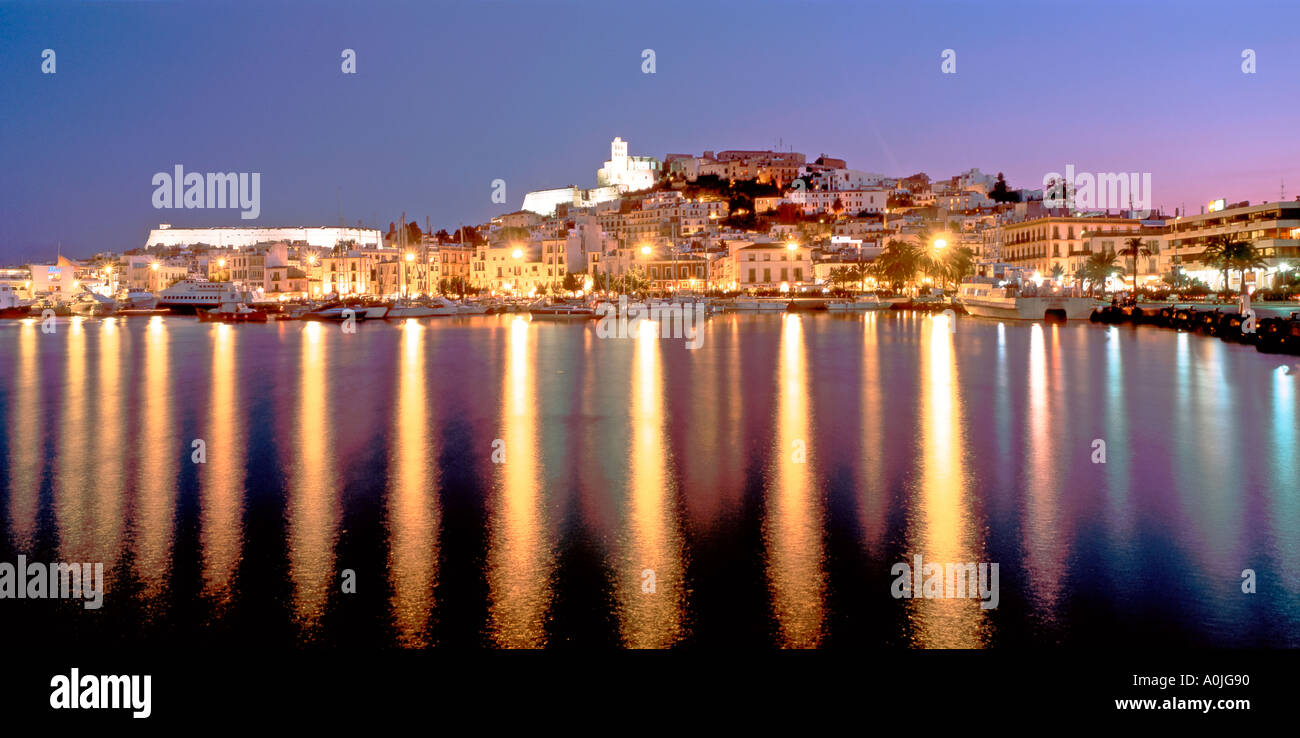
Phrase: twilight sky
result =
(450, 96)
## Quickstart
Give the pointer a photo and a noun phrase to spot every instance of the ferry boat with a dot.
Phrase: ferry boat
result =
(986, 297)
(188, 296)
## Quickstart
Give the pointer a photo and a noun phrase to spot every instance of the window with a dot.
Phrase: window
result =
(767, 275)
(798, 274)
(751, 276)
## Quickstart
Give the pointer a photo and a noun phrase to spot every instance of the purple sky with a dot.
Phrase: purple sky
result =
(449, 97)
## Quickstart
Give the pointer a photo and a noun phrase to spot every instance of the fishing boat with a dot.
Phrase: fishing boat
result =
(987, 298)
(471, 308)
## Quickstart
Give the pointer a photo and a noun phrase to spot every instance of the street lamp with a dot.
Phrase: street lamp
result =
(940, 243)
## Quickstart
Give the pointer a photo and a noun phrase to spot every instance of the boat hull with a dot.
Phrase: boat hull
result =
(566, 316)
(1030, 308)
(401, 313)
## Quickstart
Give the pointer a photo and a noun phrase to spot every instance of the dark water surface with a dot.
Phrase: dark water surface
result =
(762, 486)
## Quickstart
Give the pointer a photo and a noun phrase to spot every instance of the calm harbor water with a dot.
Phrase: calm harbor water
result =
(496, 482)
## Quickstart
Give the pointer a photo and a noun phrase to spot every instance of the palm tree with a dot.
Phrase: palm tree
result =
(956, 264)
(1214, 255)
(899, 261)
(632, 281)
(1058, 272)
(1242, 256)
(1136, 248)
(1098, 267)
(839, 276)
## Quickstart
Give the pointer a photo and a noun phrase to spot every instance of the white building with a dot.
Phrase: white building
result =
(849, 179)
(543, 202)
(319, 236)
(851, 202)
(628, 173)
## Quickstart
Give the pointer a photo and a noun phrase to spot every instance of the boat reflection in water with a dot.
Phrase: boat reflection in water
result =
(503, 482)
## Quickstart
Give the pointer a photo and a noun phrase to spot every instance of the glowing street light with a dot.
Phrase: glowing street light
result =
(410, 257)
(792, 246)
(518, 253)
(154, 266)
(645, 250)
(940, 243)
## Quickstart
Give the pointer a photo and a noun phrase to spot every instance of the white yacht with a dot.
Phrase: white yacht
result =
(405, 309)
(92, 305)
(136, 299)
(986, 297)
(191, 295)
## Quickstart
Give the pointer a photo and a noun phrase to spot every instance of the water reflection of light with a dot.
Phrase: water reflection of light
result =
(75, 436)
(519, 559)
(156, 471)
(793, 524)
(650, 581)
(1217, 516)
(945, 527)
(872, 490)
(313, 503)
(222, 476)
(110, 432)
(1115, 435)
(1285, 515)
(25, 460)
(412, 498)
(1284, 420)
(1044, 547)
